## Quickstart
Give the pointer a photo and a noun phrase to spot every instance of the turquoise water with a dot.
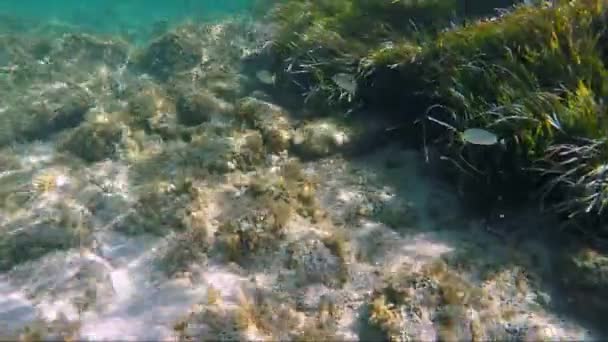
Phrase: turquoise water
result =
(114, 16)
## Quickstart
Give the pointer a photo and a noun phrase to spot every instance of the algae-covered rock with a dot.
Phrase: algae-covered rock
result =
(296, 189)
(186, 248)
(197, 107)
(17, 50)
(160, 208)
(314, 262)
(227, 86)
(259, 314)
(321, 138)
(587, 269)
(190, 246)
(270, 119)
(42, 330)
(40, 231)
(220, 151)
(37, 241)
(585, 277)
(399, 215)
(152, 109)
(254, 233)
(430, 303)
(258, 221)
(172, 53)
(56, 107)
(249, 146)
(84, 48)
(9, 161)
(93, 141)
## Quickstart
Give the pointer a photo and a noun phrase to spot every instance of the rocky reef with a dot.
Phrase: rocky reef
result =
(251, 179)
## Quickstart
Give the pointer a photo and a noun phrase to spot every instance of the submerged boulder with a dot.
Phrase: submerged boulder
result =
(197, 107)
(38, 240)
(271, 120)
(84, 48)
(186, 248)
(41, 230)
(150, 108)
(321, 138)
(43, 110)
(588, 269)
(160, 209)
(314, 262)
(217, 150)
(54, 108)
(93, 141)
(585, 277)
(171, 53)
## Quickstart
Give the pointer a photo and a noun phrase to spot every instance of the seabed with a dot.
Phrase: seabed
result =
(166, 191)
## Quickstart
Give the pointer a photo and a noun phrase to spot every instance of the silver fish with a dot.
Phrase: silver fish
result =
(266, 77)
(346, 82)
(478, 136)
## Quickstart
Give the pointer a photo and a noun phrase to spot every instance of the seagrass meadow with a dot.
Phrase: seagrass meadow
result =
(533, 75)
(303, 170)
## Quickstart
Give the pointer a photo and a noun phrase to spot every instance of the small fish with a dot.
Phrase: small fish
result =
(478, 136)
(346, 82)
(553, 120)
(266, 77)
(387, 45)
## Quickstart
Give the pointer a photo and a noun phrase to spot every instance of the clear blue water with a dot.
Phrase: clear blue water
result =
(115, 16)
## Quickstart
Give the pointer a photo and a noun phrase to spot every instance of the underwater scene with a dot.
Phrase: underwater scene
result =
(303, 170)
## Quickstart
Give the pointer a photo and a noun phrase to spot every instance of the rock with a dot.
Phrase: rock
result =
(172, 53)
(157, 211)
(9, 161)
(252, 234)
(57, 107)
(93, 141)
(433, 303)
(321, 138)
(226, 85)
(184, 249)
(84, 48)
(311, 297)
(587, 269)
(16, 50)
(270, 119)
(539, 333)
(315, 263)
(151, 108)
(260, 95)
(249, 148)
(220, 151)
(66, 282)
(41, 230)
(197, 107)
(34, 242)
(397, 214)
(453, 323)
(585, 278)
